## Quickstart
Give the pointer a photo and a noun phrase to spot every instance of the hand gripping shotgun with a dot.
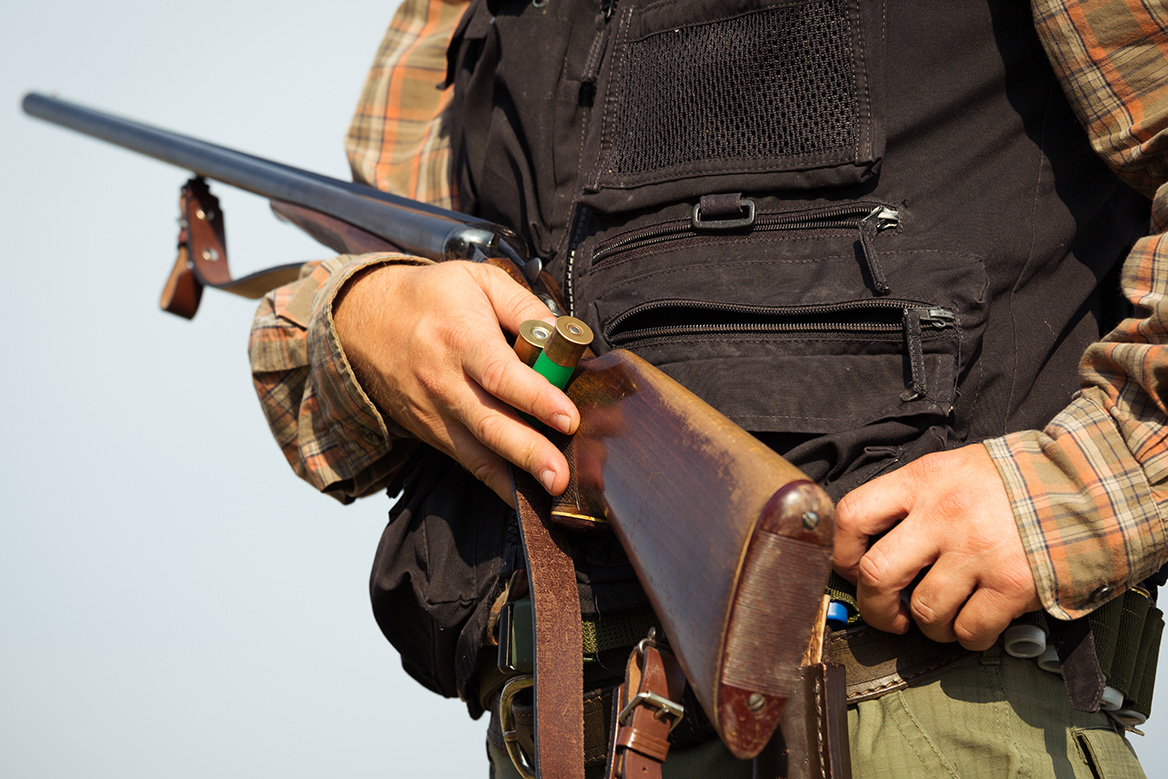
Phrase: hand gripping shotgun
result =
(730, 541)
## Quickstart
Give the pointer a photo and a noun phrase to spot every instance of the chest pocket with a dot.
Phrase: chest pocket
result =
(779, 325)
(701, 97)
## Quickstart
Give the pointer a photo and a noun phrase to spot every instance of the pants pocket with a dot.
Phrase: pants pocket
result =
(1107, 754)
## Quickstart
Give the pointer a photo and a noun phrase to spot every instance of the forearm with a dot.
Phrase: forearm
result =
(332, 435)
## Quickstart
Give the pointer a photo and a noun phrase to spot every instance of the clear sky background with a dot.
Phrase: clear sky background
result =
(173, 601)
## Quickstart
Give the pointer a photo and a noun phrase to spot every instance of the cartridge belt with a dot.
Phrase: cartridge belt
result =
(1126, 637)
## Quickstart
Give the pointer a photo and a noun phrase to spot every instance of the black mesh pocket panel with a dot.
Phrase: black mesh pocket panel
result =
(777, 83)
(769, 95)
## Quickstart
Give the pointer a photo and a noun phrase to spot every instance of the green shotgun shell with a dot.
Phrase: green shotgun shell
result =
(533, 335)
(563, 350)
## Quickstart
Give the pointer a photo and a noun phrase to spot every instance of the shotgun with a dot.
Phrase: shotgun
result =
(730, 541)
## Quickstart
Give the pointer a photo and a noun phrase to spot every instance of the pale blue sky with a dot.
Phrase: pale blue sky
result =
(173, 602)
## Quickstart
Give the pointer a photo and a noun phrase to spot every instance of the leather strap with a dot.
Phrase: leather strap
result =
(202, 257)
(812, 741)
(647, 707)
(877, 663)
(559, 674)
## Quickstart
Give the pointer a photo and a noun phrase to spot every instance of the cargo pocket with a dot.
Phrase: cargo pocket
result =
(439, 561)
(867, 359)
(1107, 754)
(706, 97)
(812, 325)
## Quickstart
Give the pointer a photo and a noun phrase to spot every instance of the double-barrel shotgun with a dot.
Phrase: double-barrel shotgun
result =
(731, 542)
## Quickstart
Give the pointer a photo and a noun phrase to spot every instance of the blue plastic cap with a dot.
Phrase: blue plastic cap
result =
(837, 614)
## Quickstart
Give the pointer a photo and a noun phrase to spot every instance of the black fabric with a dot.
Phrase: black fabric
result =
(739, 90)
(441, 562)
(723, 95)
(934, 286)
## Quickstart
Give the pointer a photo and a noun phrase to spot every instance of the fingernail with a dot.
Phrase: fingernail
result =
(547, 478)
(562, 423)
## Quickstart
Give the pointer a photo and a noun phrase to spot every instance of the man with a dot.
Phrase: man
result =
(974, 483)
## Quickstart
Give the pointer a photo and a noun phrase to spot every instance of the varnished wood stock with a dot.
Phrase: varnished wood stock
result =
(731, 542)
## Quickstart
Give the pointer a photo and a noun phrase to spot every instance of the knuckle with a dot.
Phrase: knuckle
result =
(430, 381)
(873, 569)
(489, 429)
(1017, 579)
(481, 470)
(957, 503)
(967, 635)
(921, 610)
(845, 509)
(495, 374)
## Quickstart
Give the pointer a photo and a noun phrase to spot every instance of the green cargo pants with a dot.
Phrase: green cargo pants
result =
(990, 718)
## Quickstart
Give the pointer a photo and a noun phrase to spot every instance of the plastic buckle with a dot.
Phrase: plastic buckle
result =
(520, 760)
(516, 638)
(747, 210)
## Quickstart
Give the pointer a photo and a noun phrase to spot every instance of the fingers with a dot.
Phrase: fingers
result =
(426, 344)
(888, 569)
(985, 615)
(946, 515)
(495, 368)
(513, 304)
(866, 511)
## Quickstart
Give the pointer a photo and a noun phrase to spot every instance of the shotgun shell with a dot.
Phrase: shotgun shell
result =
(533, 335)
(563, 350)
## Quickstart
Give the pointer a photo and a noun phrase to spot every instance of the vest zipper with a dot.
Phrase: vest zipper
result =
(868, 219)
(912, 320)
(804, 319)
(578, 221)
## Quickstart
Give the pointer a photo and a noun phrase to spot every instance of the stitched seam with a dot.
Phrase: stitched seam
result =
(912, 718)
(904, 681)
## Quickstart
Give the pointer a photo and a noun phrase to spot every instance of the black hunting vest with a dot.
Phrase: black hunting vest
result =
(865, 230)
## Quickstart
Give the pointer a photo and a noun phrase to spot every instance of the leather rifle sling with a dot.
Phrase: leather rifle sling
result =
(202, 257)
(559, 635)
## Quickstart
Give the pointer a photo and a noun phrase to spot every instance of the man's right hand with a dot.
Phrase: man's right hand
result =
(426, 344)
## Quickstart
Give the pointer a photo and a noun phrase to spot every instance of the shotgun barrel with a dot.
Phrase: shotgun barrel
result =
(416, 228)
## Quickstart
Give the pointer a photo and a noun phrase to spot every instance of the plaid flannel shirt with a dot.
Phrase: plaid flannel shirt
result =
(1090, 492)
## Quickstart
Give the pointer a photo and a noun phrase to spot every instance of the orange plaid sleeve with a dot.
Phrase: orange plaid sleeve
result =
(1090, 492)
(329, 430)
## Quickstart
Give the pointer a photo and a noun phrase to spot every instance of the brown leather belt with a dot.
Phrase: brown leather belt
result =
(875, 663)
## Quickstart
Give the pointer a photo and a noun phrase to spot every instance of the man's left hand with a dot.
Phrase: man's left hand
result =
(947, 512)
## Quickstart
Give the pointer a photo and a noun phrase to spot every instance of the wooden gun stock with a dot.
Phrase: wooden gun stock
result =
(731, 542)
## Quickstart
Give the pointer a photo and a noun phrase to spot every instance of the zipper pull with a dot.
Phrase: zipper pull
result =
(914, 343)
(607, 7)
(938, 318)
(878, 219)
(882, 217)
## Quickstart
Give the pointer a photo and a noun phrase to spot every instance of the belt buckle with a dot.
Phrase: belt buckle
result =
(507, 724)
(665, 708)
